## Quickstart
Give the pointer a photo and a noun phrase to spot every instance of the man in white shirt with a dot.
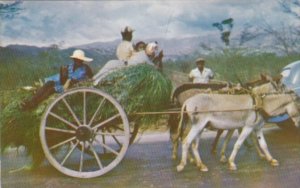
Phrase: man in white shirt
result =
(201, 74)
(125, 48)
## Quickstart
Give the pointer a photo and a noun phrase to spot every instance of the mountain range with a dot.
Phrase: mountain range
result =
(174, 48)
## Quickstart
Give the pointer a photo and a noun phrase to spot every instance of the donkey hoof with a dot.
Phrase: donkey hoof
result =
(232, 166)
(223, 159)
(174, 157)
(180, 168)
(203, 168)
(274, 162)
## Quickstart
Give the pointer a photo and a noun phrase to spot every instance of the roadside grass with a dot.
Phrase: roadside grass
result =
(233, 66)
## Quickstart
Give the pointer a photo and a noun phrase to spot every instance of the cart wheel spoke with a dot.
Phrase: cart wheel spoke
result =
(106, 121)
(69, 153)
(96, 156)
(109, 133)
(81, 157)
(114, 137)
(60, 130)
(107, 147)
(71, 111)
(116, 127)
(84, 108)
(103, 141)
(62, 143)
(63, 120)
(96, 112)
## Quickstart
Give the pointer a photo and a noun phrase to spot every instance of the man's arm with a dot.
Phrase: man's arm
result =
(191, 76)
(67, 84)
(211, 74)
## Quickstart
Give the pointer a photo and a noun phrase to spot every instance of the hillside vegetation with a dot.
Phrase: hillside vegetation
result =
(20, 68)
(232, 65)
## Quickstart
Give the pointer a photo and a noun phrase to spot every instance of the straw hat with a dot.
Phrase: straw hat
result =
(79, 54)
(198, 60)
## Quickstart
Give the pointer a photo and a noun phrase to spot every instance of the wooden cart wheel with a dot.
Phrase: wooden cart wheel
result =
(82, 121)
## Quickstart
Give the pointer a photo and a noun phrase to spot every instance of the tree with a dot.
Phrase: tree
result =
(285, 37)
(290, 7)
(249, 33)
(225, 28)
(8, 10)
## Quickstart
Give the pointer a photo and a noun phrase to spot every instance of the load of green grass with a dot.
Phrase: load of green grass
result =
(137, 88)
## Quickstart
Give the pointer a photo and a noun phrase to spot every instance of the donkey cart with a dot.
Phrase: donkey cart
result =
(85, 132)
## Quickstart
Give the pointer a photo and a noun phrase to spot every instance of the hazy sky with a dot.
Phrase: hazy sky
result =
(78, 22)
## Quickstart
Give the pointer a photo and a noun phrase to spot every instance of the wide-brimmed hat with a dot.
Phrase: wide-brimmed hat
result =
(79, 54)
(198, 60)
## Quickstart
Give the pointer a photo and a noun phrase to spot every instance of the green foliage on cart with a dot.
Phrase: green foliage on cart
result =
(138, 89)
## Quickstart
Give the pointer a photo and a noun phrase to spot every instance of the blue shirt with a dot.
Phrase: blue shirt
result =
(79, 74)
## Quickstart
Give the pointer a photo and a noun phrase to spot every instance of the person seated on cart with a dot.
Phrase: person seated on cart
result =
(144, 53)
(142, 56)
(201, 74)
(75, 72)
(125, 49)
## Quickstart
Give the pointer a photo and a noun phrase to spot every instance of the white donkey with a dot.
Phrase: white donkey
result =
(268, 86)
(232, 112)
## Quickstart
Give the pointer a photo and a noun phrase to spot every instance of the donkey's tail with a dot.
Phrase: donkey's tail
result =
(181, 121)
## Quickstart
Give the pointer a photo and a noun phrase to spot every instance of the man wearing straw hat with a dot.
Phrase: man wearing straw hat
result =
(201, 74)
(58, 83)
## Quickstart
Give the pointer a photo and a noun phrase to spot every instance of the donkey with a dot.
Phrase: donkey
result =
(232, 112)
(181, 94)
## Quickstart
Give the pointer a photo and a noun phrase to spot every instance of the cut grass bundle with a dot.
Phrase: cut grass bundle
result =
(137, 88)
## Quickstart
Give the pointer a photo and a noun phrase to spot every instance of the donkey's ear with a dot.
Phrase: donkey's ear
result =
(161, 53)
(263, 77)
(269, 78)
(277, 78)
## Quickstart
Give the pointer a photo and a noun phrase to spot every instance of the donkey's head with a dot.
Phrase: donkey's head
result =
(267, 85)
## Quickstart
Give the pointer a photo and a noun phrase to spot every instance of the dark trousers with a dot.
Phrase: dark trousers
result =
(43, 93)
